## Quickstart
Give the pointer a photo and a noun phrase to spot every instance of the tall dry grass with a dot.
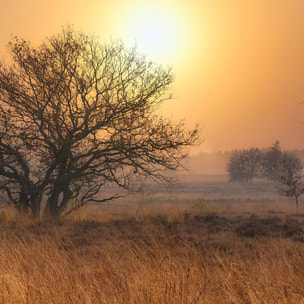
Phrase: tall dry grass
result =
(202, 259)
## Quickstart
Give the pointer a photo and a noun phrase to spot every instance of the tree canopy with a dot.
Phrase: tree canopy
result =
(77, 115)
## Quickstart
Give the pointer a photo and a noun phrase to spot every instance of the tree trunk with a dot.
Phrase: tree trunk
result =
(67, 193)
(297, 203)
(36, 204)
(23, 205)
(57, 202)
(51, 211)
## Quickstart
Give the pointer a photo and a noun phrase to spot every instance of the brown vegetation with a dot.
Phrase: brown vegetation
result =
(189, 258)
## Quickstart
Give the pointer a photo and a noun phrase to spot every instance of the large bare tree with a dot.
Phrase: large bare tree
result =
(77, 115)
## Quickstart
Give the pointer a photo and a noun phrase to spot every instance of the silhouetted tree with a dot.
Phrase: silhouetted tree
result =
(289, 177)
(244, 165)
(77, 116)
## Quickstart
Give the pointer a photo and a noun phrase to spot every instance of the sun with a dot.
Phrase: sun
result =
(155, 32)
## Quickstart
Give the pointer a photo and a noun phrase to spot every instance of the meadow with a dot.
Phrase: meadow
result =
(204, 241)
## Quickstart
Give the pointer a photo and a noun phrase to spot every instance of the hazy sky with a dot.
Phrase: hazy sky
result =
(239, 64)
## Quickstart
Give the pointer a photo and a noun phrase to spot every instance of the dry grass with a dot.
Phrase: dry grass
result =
(153, 258)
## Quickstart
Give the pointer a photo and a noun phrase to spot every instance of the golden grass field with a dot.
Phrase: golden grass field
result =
(157, 252)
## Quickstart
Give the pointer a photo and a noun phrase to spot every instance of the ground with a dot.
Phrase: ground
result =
(193, 245)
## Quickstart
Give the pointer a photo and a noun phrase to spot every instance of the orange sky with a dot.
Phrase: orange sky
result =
(239, 64)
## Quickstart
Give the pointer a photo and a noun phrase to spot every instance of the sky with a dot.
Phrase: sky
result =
(238, 65)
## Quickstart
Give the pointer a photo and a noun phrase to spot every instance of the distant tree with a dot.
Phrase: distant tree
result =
(236, 167)
(289, 177)
(244, 165)
(271, 161)
(77, 116)
(253, 156)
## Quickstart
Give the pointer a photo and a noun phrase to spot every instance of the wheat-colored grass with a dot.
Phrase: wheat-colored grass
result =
(154, 258)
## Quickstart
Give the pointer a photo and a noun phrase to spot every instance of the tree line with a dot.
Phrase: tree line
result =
(284, 168)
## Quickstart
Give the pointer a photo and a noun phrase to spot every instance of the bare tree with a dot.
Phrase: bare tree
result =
(244, 165)
(289, 177)
(83, 116)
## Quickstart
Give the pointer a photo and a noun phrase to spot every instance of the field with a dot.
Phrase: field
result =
(205, 241)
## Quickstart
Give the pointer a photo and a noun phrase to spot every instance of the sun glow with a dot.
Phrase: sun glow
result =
(155, 32)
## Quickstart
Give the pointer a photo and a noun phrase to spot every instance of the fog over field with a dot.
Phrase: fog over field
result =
(215, 162)
(208, 163)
